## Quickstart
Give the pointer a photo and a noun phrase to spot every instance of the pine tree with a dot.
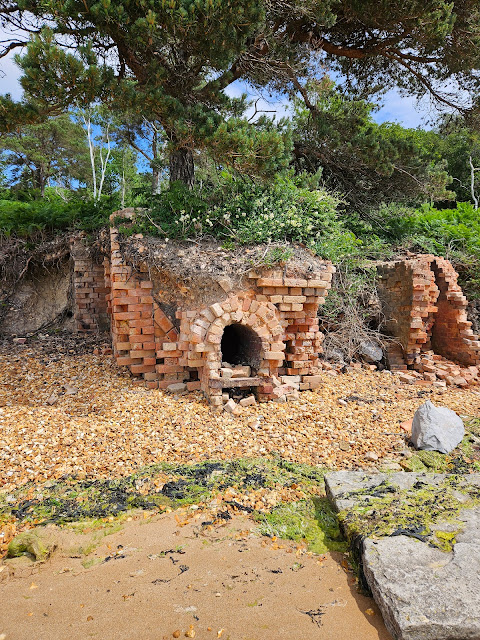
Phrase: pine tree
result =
(369, 163)
(172, 60)
(55, 149)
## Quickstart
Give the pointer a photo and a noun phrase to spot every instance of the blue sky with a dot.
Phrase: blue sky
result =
(395, 108)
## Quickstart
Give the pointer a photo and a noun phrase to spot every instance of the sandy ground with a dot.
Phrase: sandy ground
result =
(156, 579)
(67, 413)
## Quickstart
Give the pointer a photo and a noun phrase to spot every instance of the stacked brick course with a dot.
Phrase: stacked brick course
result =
(139, 327)
(90, 306)
(425, 311)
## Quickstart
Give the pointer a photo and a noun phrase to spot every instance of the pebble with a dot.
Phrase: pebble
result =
(111, 428)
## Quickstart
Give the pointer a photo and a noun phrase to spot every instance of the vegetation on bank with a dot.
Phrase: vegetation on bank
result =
(288, 209)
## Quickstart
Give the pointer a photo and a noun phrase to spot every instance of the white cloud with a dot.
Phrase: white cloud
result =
(405, 110)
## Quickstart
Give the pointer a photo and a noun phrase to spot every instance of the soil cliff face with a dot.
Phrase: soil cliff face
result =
(42, 297)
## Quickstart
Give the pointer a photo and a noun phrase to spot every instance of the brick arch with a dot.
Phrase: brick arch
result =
(261, 317)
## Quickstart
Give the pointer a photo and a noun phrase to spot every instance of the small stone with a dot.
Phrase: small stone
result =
(230, 406)
(370, 351)
(241, 371)
(177, 387)
(407, 425)
(226, 284)
(248, 401)
(406, 378)
(19, 340)
(70, 390)
(391, 466)
(371, 456)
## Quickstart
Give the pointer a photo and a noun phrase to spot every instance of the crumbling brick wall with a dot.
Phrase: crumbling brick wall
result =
(426, 312)
(281, 311)
(90, 291)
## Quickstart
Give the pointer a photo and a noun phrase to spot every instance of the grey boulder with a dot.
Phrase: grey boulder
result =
(370, 351)
(424, 593)
(436, 428)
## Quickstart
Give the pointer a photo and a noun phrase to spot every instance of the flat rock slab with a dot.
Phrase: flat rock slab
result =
(423, 593)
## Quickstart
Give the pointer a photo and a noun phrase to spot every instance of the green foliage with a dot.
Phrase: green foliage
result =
(368, 162)
(28, 219)
(452, 233)
(312, 521)
(55, 149)
(277, 256)
(171, 61)
(458, 143)
(248, 213)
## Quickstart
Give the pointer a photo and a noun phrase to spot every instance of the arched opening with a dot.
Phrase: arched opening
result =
(241, 345)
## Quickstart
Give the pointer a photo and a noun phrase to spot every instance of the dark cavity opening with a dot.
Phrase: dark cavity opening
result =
(241, 345)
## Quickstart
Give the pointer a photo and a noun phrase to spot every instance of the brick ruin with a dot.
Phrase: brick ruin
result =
(256, 330)
(426, 312)
(255, 333)
(90, 290)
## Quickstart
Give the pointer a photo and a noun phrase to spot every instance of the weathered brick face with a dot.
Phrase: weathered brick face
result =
(277, 316)
(426, 311)
(90, 291)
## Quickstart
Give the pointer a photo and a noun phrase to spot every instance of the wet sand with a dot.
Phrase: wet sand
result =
(157, 579)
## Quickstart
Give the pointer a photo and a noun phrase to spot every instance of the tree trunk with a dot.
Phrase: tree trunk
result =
(156, 181)
(41, 181)
(182, 167)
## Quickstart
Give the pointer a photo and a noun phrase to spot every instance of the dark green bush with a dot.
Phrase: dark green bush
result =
(27, 219)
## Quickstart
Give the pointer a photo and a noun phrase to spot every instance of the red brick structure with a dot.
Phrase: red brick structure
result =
(261, 335)
(259, 331)
(425, 310)
(90, 305)
(267, 327)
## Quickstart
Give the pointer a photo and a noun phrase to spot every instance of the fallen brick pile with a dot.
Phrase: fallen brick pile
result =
(440, 372)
